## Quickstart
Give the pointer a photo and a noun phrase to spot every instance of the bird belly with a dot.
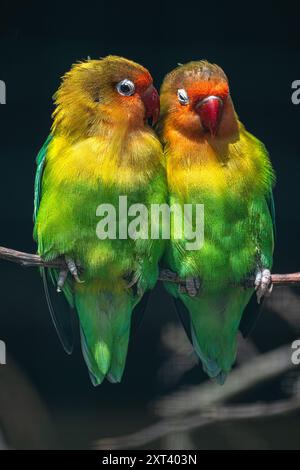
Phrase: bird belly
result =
(232, 226)
(68, 223)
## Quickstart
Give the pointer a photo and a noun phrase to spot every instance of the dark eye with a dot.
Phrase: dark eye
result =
(126, 87)
(183, 96)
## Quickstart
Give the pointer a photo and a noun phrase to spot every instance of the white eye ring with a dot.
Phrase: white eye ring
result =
(183, 97)
(126, 87)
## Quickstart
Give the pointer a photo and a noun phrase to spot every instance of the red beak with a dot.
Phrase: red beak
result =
(210, 111)
(150, 98)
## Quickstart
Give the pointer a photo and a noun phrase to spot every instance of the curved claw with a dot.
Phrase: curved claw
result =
(263, 284)
(73, 269)
(191, 286)
(133, 281)
(77, 279)
(63, 274)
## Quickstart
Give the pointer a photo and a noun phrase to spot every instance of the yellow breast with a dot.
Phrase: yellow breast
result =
(233, 166)
(126, 162)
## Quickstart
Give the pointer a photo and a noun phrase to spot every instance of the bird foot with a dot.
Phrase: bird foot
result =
(263, 283)
(73, 269)
(134, 282)
(191, 286)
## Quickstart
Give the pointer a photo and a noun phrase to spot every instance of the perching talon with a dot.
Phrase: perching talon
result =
(73, 269)
(133, 280)
(63, 274)
(191, 286)
(263, 284)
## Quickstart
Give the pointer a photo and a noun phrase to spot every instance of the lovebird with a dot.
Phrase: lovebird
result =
(101, 147)
(212, 160)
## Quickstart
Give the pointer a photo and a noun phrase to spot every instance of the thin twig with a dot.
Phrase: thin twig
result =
(31, 260)
(28, 259)
(201, 405)
(277, 279)
(199, 397)
(189, 423)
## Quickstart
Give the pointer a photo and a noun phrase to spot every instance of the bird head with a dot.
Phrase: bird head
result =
(195, 98)
(112, 90)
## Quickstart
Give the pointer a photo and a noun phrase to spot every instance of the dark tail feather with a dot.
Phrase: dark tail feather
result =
(62, 315)
(210, 366)
(251, 316)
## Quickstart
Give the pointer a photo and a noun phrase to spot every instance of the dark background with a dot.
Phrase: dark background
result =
(257, 44)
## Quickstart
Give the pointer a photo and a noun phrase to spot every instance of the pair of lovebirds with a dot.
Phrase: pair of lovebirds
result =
(100, 147)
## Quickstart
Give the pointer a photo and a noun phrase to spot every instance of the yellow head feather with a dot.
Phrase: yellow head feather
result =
(87, 102)
(100, 135)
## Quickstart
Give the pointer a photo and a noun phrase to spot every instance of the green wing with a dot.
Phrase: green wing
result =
(253, 310)
(59, 311)
(271, 206)
(40, 162)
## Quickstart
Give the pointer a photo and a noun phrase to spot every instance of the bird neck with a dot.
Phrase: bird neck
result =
(217, 165)
(193, 150)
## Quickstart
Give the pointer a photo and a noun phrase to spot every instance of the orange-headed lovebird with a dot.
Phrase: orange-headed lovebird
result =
(212, 160)
(100, 148)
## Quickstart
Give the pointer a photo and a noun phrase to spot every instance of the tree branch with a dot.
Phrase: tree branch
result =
(195, 398)
(28, 259)
(277, 279)
(204, 404)
(199, 405)
(189, 423)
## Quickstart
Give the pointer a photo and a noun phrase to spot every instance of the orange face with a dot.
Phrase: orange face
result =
(198, 90)
(196, 100)
(203, 101)
(138, 97)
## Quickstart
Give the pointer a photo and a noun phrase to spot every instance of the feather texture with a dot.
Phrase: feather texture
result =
(231, 175)
(100, 149)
